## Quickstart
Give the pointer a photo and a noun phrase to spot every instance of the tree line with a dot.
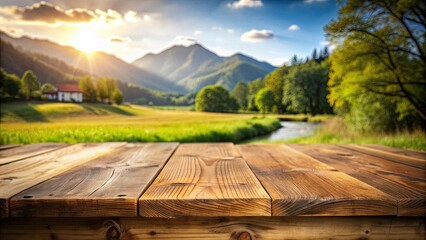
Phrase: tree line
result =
(297, 88)
(28, 87)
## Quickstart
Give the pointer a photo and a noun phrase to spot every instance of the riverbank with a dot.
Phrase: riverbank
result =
(74, 123)
(334, 131)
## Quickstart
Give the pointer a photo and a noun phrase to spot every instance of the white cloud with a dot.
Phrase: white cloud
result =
(14, 32)
(331, 45)
(184, 40)
(197, 32)
(278, 61)
(221, 51)
(230, 30)
(217, 28)
(257, 35)
(293, 27)
(118, 39)
(245, 3)
(146, 18)
(313, 1)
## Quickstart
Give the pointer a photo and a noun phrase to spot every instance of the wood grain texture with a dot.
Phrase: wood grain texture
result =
(301, 185)
(107, 186)
(406, 160)
(268, 228)
(18, 176)
(17, 154)
(205, 180)
(400, 151)
(404, 183)
(8, 146)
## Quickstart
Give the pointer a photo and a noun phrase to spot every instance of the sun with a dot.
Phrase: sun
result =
(87, 41)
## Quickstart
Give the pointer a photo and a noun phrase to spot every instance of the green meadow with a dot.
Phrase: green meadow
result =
(73, 123)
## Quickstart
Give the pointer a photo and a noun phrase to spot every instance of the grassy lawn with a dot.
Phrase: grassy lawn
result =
(72, 123)
(333, 131)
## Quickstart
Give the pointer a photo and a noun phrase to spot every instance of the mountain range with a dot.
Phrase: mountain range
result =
(177, 69)
(195, 67)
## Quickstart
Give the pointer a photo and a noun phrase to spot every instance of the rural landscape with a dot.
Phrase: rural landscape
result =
(363, 83)
(212, 119)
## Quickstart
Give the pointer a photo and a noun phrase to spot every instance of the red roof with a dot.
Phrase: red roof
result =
(67, 87)
(64, 87)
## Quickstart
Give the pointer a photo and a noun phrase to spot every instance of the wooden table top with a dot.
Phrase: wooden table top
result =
(209, 180)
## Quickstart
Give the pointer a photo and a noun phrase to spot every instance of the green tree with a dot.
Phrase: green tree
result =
(306, 88)
(275, 83)
(215, 99)
(88, 88)
(117, 96)
(240, 93)
(30, 86)
(386, 40)
(264, 100)
(47, 87)
(106, 87)
(253, 88)
(9, 84)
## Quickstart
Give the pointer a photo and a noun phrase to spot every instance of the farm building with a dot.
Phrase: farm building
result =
(65, 93)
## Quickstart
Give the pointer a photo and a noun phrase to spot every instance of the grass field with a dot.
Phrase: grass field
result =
(72, 123)
(333, 131)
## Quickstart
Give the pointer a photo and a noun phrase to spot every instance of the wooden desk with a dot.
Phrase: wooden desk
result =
(211, 191)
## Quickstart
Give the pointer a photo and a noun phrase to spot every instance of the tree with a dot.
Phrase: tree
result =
(275, 83)
(117, 96)
(305, 90)
(264, 100)
(88, 88)
(9, 84)
(105, 88)
(253, 88)
(47, 87)
(240, 93)
(215, 99)
(29, 85)
(386, 38)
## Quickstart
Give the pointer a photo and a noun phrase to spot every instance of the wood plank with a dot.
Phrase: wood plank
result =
(400, 151)
(108, 186)
(404, 183)
(410, 161)
(18, 176)
(205, 180)
(301, 185)
(17, 154)
(8, 146)
(241, 228)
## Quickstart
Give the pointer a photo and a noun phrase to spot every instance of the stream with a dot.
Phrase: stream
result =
(289, 130)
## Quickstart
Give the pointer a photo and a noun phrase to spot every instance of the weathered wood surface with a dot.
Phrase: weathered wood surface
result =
(16, 154)
(400, 151)
(301, 185)
(107, 186)
(407, 160)
(236, 228)
(205, 180)
(8, 146)
(212, 179)
(405, 183)
(18, 176)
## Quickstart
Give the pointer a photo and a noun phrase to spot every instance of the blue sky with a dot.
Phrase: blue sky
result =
(271, 30)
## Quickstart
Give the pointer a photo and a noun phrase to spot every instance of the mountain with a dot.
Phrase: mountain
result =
(195, 67)
(97, 63)
(54, 71)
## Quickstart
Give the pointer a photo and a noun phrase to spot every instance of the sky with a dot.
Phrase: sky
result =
(268, 30)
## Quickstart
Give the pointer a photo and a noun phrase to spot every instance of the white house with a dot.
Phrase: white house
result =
(65, 93)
